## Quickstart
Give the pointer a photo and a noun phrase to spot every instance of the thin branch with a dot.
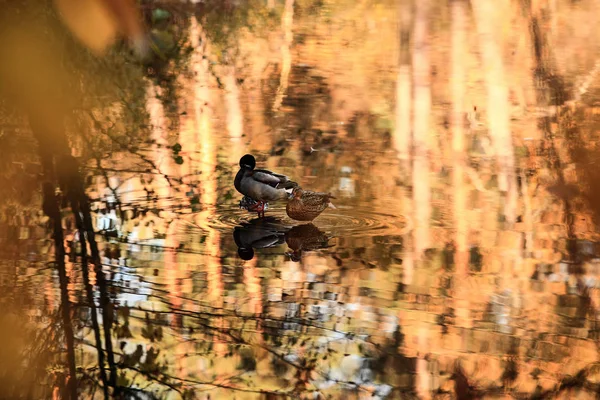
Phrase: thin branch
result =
(148, 161)
(198, 383)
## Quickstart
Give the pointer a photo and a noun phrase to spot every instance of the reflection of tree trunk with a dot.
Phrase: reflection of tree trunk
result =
(58, 165)
(253, 289)
(105, 305)
(403, 85)
(203, 114)
(286, 57)
(89, 291)
(527, 216)
(402, 129)
(423, 375)
(551, 87)
(52, 142)
(72, 185)
(498, 105)
(208, 170)
(408, 266)
(551, 91)
(189, 136)
(458, 113)
(235, 125)
(68, 169)
(161, 153)
(53, 211)
(422, 111)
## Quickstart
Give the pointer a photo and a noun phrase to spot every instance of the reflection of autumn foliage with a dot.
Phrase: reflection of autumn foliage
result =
(498, 279)
(578, 129)
(19, 166)
(29, 351)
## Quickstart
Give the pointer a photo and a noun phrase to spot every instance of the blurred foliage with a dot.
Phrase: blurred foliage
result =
(224, 21)
(30, 349)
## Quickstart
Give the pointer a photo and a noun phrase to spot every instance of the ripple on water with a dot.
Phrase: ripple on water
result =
(343, 221)
(362, 222)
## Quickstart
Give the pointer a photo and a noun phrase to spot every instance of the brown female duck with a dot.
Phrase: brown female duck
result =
(306, 205)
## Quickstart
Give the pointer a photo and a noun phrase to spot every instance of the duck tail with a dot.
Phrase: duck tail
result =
(331, 205)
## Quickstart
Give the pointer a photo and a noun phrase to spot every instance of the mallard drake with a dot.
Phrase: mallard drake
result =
(306, 205)
(261, 185)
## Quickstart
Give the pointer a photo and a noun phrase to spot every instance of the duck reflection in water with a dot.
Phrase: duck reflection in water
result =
(259, 233)
(305, 237)
(263, 233)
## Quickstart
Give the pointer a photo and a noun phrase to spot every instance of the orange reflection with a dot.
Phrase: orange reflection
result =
(235, 118)
(71, 286)
(176, 274)
(459, 153)
(499, 296)
(253, 288)
(50, 292)
(403, 117)
(208, 194)
(162, 155)
(487, 19)
(286, 58)
(422, 114)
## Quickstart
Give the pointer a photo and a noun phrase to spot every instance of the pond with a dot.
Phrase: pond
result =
(461, 258)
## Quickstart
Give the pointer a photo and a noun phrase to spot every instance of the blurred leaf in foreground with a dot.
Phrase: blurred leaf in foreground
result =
(97, 23)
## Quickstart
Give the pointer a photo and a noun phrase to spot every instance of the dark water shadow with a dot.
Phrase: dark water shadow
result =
(272, 232)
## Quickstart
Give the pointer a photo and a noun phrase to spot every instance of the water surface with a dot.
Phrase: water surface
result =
(461, 260)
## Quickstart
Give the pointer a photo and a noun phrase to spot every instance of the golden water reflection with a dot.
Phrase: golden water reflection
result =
(461, 260)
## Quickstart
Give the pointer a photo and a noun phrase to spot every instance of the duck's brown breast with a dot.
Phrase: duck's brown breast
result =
(297, 210)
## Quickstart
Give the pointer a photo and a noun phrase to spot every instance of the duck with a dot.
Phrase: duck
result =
(261, 185)
(306, 205)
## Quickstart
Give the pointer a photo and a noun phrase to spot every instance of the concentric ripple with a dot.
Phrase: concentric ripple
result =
(362, 222)
(343, 221)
